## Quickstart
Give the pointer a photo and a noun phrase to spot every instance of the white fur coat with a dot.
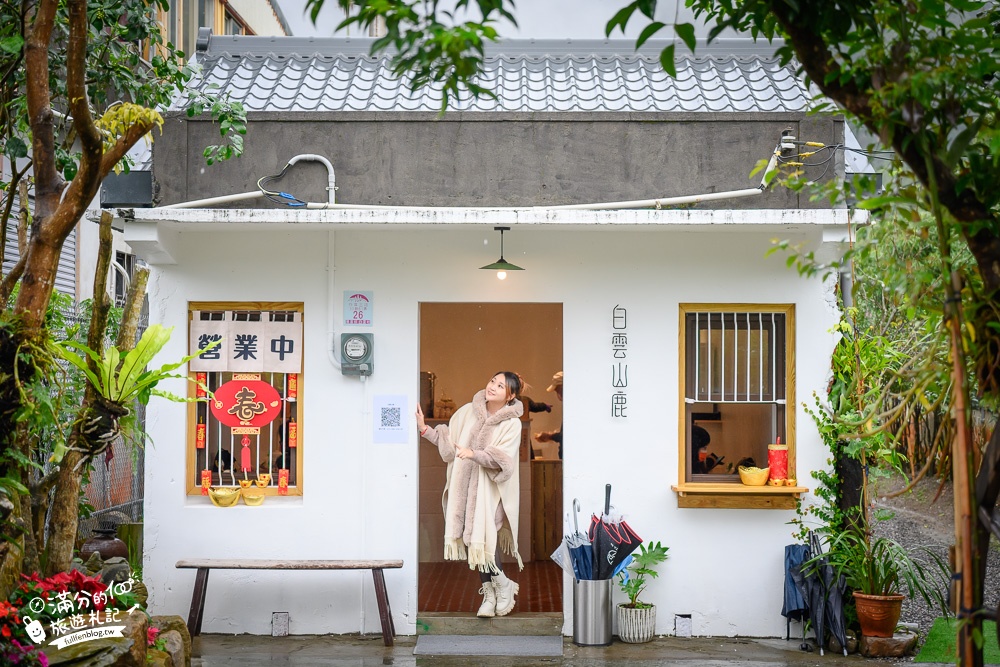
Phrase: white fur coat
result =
(476, 487)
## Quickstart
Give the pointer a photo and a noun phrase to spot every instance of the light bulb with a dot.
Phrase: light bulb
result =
(502, 275)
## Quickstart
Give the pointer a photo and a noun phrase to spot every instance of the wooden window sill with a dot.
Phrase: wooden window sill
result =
(737, 496)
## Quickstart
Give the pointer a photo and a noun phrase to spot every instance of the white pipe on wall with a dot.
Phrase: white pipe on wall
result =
(331, 177)
(212, 201)
(331, 270)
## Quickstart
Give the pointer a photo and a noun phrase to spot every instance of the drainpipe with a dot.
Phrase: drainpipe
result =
(331, 270)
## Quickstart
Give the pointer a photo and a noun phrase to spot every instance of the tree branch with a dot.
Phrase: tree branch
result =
(7, 286)
(48, 184)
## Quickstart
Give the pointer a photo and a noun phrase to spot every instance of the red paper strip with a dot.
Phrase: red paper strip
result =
(293, 432)
(293, 386)
(206, 481)
(283, 482)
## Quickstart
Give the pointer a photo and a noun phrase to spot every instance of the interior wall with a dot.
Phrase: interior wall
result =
(464, 344)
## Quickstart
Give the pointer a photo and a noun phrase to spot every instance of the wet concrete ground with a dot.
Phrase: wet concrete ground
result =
(368, 651)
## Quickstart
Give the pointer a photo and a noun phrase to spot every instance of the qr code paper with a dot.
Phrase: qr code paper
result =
(391, 416)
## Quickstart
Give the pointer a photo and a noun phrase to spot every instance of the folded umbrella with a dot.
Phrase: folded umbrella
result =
(612, 539)
(794, 607)
(581, 555)
(562, 557)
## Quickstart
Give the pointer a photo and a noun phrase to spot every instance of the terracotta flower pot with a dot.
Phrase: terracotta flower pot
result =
(878, 614)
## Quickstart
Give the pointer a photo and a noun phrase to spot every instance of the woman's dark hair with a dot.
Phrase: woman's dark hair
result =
(514, 385)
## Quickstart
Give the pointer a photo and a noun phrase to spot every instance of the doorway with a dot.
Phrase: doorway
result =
(461, 346)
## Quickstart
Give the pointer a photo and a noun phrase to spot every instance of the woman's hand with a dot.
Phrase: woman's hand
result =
(421, 425)
(463, 453)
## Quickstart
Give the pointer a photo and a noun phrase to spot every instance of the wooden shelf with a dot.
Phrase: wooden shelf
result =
(737, 496)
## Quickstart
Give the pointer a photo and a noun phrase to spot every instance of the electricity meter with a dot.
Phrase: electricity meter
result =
(356, 353)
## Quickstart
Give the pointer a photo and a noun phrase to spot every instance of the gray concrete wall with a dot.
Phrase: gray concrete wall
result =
(506, 159)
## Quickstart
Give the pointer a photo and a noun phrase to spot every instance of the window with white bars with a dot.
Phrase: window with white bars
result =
(266, 455)
(735, 378)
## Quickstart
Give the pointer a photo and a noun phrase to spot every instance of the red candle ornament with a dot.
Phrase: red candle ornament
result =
(283, 482)
(293, 386)
(245, 454)
(293, 432)
(206, 481)
(777, 461)
(200, 387)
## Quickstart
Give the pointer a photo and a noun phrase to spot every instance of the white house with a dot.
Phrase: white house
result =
(665, 313)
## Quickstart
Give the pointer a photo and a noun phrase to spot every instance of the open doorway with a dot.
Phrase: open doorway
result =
(461, 346)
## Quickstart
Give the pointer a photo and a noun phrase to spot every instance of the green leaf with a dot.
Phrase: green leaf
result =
(648, 32)
(133, 365)
(15, 148)
(686, 32)
(667, 61)
(12, 44)
(620, 19)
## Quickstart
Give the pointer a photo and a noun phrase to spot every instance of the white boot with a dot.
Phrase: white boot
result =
(505, 592)
(488, 608)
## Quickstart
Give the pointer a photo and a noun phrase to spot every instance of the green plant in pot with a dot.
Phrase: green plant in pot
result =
(637, 619)
(882, 573)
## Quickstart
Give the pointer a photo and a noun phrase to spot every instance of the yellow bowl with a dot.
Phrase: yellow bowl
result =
(253, 497)
(754, 476)
(223, 496)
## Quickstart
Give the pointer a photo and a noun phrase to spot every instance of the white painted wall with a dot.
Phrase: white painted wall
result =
(360, 500)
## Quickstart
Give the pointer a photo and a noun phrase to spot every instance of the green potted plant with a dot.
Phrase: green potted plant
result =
(637, 619)
(880, 571)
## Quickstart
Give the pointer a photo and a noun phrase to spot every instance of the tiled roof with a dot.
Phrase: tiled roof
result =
(295, 74)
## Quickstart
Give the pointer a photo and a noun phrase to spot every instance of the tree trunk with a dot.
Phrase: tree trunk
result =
(966, 561)
(64, 514)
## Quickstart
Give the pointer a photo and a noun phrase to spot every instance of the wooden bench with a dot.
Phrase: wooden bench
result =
(203, 565)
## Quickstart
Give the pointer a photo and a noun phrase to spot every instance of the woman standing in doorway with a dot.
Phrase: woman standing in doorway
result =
(481, 496)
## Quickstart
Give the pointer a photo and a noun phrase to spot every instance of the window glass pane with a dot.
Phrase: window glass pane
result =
(723, 436)
(735, 356)
(269, 451)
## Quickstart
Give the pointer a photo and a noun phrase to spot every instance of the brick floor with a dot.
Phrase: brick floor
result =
(452, 586)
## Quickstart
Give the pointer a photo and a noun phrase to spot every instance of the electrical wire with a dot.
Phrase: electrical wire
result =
(277, 196)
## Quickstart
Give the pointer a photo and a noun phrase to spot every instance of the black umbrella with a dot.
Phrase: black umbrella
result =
(794, 606)
(612, 539)
(823, 591)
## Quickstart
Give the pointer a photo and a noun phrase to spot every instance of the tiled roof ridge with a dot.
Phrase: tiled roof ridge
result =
(512, 58)
(247, 44)
(534, 82)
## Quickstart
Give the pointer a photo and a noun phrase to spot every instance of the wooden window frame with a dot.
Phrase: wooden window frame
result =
(733, 495)
(193, 488)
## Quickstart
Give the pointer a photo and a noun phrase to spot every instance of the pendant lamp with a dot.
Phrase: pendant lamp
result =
(501, 266)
